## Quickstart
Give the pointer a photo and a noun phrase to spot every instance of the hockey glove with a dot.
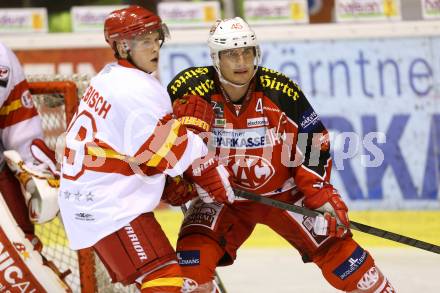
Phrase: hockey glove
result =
(194, 112)
(211, 181)
(178, 191)
(334, 221)
(44, 155)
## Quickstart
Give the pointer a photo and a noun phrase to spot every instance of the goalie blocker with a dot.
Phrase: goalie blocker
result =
(21, 267)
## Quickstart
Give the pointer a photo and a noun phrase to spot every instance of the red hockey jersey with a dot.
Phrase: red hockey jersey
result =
(272, 140)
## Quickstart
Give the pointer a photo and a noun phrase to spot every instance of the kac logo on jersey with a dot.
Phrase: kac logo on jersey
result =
(26, 100)
(251, 172)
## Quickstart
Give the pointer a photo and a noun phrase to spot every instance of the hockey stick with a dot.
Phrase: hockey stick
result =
(353, 225)
(217, 279)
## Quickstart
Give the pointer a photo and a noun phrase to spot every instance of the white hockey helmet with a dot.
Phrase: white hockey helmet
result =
(230, 34)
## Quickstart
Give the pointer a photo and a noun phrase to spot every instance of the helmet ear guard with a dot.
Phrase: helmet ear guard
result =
(122, 49)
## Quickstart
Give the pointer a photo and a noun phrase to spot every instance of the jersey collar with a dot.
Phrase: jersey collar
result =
(126, 63)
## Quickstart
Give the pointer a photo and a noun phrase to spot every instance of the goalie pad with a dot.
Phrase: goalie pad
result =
(21, 267)
(39, 188)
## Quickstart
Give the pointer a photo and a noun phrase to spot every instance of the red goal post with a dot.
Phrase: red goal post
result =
(56, 99)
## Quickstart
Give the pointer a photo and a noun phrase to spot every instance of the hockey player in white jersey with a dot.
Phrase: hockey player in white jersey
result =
(20, 198)
(120, 146)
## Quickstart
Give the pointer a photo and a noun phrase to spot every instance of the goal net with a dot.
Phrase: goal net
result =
(56, 99)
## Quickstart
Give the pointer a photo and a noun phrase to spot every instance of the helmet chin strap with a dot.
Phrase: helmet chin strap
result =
(216, 63)
(236, 85)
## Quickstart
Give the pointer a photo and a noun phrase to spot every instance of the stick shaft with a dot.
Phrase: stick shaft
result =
(353, 225)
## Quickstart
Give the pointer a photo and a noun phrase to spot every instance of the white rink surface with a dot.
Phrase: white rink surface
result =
(410, 270)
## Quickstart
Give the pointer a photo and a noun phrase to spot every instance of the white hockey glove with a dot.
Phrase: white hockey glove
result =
(334, 222)
(39, 186)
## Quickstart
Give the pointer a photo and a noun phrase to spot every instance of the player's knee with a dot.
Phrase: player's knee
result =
(350, 268)
(343, 264)
(167, 279)
(373, 281)
(198, 256)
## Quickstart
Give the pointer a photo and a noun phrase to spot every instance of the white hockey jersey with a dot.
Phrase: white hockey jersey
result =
(119, 146)
(19, 120)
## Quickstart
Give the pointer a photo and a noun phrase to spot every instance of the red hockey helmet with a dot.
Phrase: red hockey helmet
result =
(130, 22)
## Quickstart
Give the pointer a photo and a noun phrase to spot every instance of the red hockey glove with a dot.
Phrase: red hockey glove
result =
(194, 112)
(44, 155)
(335, 222)
(211, 181)
(178, 191)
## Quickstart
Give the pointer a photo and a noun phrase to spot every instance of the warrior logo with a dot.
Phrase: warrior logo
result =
(252, 172)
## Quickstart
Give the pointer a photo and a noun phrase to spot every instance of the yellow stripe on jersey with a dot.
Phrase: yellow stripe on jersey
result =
(160, 282)
(105, 153)
(166, 146)
(5, 110)
(155, 158)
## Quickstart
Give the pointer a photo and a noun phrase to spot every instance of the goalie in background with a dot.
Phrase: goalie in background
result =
(25, 199)
(120, 146)
(268, 135)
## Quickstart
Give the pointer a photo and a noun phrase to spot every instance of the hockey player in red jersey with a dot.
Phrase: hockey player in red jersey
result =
(120, 145)
(273, 142)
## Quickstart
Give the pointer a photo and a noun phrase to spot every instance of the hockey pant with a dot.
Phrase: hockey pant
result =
(212, 233)
(141, 253)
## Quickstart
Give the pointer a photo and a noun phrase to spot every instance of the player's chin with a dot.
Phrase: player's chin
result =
(152, 65)
(242, 78)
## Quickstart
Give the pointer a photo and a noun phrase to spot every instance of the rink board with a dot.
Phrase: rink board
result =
(422, 225)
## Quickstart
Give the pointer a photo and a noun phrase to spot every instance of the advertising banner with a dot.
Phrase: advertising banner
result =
(65, 62)
(430, 9)
(276, 12)
(90, 18)
(187, 14)
(23, 20)
(367, 10)
(379, 99)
